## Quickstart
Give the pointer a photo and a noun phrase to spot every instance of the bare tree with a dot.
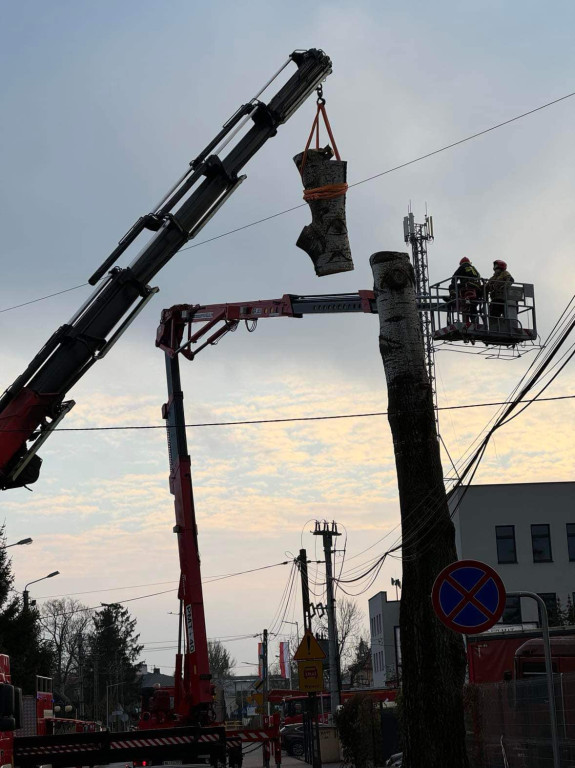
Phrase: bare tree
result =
(65, 625)
(350, 627)
(221, 662)
(433, 658)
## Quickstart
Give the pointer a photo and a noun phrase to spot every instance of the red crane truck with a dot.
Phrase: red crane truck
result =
(34, 404)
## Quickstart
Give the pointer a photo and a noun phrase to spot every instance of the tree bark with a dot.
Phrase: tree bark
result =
(325, 240)
(433, 658)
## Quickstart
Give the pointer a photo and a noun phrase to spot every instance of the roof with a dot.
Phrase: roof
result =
(560, 646)
(151, 679)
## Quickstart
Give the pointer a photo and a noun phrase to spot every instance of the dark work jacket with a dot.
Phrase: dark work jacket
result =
(465, 277)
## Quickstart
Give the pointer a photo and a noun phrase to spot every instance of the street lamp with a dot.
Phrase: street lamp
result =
(25, 593)
(19, 543)
(112, 685)
(296, 629)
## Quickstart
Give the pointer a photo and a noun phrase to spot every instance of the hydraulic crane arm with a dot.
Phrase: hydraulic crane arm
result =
(192, 676)
(34, 404)
(225, 317)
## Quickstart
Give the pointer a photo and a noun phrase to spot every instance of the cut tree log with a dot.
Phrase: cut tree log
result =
(325, 240)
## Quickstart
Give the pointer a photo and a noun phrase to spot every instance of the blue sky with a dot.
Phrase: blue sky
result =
(104, 104)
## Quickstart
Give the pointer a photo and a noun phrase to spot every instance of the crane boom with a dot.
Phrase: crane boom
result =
(193, 696)
(34, 404)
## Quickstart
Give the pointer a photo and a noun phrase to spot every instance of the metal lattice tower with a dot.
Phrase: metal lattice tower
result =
(418, 235)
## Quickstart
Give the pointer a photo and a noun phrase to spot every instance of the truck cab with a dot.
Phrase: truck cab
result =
(10, 712)
(530, 657)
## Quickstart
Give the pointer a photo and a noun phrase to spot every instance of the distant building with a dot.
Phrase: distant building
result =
(384, 632)
(154, 678)
(526, 531)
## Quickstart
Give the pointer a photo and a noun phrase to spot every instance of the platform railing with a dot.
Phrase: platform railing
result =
(458, 310)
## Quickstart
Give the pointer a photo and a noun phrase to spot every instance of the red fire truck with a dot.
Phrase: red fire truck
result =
(496, 656)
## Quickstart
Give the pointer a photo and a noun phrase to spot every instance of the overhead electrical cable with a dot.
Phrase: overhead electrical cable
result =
(354, 184)
(421, 538)
(205, 580)
(294, 419)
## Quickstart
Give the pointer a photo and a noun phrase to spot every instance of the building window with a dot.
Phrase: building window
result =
(541, 542)
(505, 537)
(512, 611)
(571, 540)
(550, 600)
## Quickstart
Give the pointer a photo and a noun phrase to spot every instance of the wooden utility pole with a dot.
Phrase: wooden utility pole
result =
(328, 533)
(312, 744)
(433, 658)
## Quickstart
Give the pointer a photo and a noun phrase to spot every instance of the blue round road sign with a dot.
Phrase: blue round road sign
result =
(468, 596)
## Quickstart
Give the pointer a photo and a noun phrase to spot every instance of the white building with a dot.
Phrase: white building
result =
(526, 531)
(384, 631)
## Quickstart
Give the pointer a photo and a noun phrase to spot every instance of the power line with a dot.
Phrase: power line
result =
(205, 580)
(245, 422)
(42, 298)
(355, 184)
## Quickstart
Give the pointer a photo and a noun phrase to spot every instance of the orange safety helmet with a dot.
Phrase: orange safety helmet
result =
(498, 264)
(464, 260)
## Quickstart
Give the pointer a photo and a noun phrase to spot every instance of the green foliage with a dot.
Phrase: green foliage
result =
(359, 726)
(563, 616)
(20, 631)
(360, 668)
(110, 668)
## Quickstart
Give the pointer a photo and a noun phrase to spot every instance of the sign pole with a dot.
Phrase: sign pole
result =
(469, 597)
(548, 670)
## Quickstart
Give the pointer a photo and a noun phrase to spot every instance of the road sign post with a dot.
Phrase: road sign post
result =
(548, 669)
(469, 597)
(309, 657)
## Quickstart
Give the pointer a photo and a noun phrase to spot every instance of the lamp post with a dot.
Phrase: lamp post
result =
(19, 543)
(296, 629)
(112, 685)
(26, 594)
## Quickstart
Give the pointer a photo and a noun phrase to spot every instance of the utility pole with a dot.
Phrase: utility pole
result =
(433, 657)
(328, 534)
(265, 671)
(264, 660)
(311, 722)
(302, 565)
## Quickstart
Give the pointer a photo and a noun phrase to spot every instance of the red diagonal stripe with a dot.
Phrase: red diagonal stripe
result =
(469, 595)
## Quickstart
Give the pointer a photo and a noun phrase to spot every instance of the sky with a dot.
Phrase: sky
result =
(103, 106)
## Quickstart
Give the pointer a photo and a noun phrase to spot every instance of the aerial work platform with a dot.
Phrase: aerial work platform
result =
(508, 321)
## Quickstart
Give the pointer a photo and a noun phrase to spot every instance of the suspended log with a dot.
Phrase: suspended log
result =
(325, 240)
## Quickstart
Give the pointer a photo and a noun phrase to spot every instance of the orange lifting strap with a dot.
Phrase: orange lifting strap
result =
(329, 191)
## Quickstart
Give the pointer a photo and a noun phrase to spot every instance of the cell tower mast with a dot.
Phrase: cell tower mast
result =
(418, 235)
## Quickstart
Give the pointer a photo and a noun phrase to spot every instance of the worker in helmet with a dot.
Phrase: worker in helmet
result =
(465, 290)
(497, 288)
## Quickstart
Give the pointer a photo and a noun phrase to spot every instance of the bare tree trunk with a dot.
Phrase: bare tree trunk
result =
(433, 659)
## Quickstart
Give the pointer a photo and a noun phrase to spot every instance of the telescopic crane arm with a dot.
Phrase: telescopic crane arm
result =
(193, 689)
(34, 404)
(223, 318)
